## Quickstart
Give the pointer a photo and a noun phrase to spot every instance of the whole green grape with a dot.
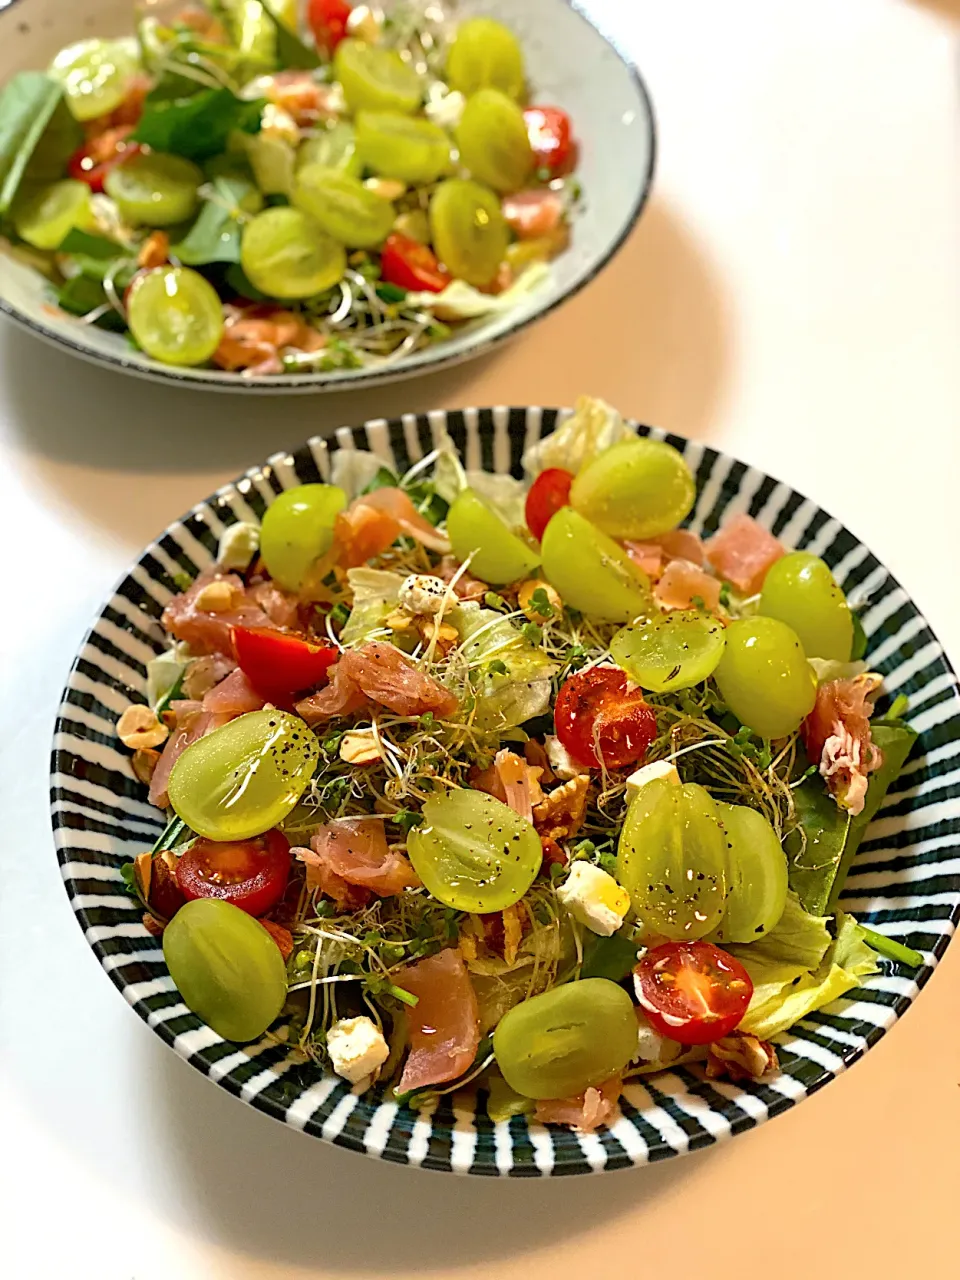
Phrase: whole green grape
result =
(468, 229)
(227, 968)
(297, 530)
(591, 572)
(155, 190)
(637, 489)
(244, 778)
(756, 875)
(801, 591)
(485, 54)
(567, 1040)
(493, 141)
(672, 859)
(474, 853)
(765, 678)
(376, 79)
(285, 253)
(475, 530)
(343, 207)
(672, 651)
(399, 146)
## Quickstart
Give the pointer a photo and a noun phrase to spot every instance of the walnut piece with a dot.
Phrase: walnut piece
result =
(218, 596)
(360, 746)
(741, 1056)
(560, 815)
(139, 728)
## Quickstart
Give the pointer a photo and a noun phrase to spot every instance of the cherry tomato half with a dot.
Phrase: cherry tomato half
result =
(597, 717)
(328, 22)
(411, 265)
(551, 138)
(251, 874)
(100, 155)
(548, 493)
(692, 992)
(278, 664)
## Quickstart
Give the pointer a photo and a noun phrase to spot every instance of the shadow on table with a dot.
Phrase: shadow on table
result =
(257, 1186)
(943, 8)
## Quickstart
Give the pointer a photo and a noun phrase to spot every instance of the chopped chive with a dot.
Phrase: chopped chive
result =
(170, 834)
(898, 707)
(896, 951)
(398, 993)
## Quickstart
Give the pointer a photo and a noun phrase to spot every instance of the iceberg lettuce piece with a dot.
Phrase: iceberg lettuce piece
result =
(352, 470)
(593, 427)
(376, 593)
(505, 698)
(461, 301)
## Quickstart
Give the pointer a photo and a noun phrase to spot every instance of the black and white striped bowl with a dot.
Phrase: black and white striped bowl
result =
(905, 883)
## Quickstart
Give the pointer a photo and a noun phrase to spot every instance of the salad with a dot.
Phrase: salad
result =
(225, 190)
(518, 784)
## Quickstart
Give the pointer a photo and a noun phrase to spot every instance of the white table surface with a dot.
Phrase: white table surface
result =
(791, 296)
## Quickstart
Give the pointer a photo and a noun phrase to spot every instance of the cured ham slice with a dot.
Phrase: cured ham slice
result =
(193, 722)
(377, 673)
(513, 781)
(742, 552)
(586, 1112)
(836, 735)
(374, 521)
(683, 585)
(234, 696)
(444, 1026)
(207, 629)
(355, 851)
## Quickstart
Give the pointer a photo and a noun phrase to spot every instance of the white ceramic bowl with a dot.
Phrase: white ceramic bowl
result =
(570, 63)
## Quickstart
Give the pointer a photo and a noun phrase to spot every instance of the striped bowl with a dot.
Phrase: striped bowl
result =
(905, 881)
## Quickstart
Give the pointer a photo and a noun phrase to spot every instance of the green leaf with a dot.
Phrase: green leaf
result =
(215, 236)
(611, 957)
(859, 647)
(384, 479)
(27, 105)
(89, 246)
(292, 53)
(128, 875)
(196, 127)
(84, 294)
(236, 279)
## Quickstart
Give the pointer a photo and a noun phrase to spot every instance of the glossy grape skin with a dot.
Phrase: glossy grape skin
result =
(636, 489)
(227, 968)
(756, 875)
(376, 79)
(498, 555)
(244, 778)
(567, 1040)
(469, 231)
(485, 54)
(95, 75)
(672, 651)
(801, 591)
(765, 678)
(343, 207)
(286, 254)
(48, 216)
(591, 572)
(399, 146)
(334, 148)
(672, 860)
(155, 190)
(493, 141)
(473, 853)
(175, 315)
(297, 529)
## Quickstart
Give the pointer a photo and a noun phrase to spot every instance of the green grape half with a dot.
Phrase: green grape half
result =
(244, 778)
(47, 216)
(175, 315)
(286, 254)
(485, 54)
(297, 529)
(376, 79)
(756, 875)
(672, 859)
(95, 75)
(671, 651)
(637, 489)
(498, 555)
(343, 207)
(474, 853)
(801, 591)
(565, 1041)
(155, 190)
(226, 966)
(334, 148)
(469, 230)
(592, 572)
(398, 146)
(765, 678)
(493, 141)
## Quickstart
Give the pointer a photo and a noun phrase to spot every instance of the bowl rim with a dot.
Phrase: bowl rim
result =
(347, 379)
(570, 1158)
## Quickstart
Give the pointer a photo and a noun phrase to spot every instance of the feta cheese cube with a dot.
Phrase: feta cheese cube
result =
(651, 1046)
(594, 898)
(239, 543)
(357, 1048)
(659, 770)
(422, 594)
(561, 761)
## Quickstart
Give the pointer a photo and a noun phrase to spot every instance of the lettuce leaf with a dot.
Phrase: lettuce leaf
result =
(375, 596)
(593, 427)
(461, 301)
(505, 698)
(798, 967)
(355, 470)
